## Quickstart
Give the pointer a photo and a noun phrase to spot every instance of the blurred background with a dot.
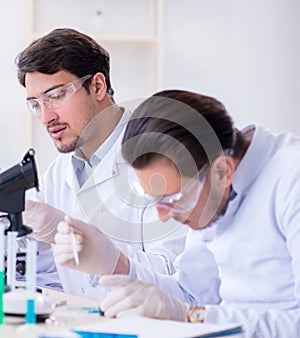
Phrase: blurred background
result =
(245, 53)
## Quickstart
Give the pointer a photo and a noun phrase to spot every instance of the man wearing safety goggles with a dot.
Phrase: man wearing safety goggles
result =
(66, 76)
(240, 190)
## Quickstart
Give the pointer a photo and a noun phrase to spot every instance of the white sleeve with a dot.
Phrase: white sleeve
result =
(256, 324)
(158, 245)
(196, 284)
(167, 283)
(47, 275)
(288, 216)
(158, 255)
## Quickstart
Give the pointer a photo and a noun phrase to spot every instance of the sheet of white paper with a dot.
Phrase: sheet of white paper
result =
(149, 328)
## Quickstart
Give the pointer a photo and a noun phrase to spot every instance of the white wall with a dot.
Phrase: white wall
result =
(245, 53)
(12, 109)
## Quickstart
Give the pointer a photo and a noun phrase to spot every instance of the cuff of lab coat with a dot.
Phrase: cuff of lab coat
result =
(132, 269)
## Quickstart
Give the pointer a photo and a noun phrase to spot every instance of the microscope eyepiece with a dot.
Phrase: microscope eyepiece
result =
(13, 184)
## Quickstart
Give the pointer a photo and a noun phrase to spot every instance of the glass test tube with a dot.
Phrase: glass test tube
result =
(31, 280)
(2, 271)
(11, 259)
(31, 253)
(2, 246)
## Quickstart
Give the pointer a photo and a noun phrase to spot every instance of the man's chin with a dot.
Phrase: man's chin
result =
(65, 148)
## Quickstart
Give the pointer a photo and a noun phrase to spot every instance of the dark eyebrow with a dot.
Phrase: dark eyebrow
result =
(47, 91)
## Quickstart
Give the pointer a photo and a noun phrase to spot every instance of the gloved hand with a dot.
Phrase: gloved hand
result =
(139, 297)
(97, 253)
(43, 219)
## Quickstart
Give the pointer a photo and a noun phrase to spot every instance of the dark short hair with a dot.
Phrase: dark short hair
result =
(187, 128)
(65, 49)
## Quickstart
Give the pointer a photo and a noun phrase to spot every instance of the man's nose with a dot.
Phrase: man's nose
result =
(47, 115)
(164, 214)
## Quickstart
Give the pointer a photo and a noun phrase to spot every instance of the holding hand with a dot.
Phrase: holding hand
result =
(97, 253)
(43, 219)
(139, 297)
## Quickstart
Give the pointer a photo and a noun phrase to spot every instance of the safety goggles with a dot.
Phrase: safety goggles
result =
(181, 202)
(56, 97)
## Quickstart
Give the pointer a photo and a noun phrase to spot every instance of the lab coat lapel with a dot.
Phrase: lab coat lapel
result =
(70, 177)
(107, 168)
(101, 173)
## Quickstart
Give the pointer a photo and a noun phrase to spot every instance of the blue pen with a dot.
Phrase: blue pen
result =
(83, 309)
(85, 334)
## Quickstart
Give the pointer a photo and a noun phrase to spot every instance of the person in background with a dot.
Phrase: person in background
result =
(238, 192)
(66, 75)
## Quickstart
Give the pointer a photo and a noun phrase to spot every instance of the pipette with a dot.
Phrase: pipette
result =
(2, 271)
(31, 280)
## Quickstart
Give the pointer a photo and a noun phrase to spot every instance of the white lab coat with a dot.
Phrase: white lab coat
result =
(105, 201)
(256, 245)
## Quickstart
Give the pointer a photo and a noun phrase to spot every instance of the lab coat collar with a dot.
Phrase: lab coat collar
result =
(105, 170)
(255, 158)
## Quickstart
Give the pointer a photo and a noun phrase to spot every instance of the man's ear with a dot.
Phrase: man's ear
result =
(98, 86)
(223, 170)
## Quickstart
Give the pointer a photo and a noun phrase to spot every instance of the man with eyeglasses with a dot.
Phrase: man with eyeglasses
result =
(66, 75)
(239, 190)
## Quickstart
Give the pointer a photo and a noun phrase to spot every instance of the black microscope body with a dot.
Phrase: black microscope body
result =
(13, 184)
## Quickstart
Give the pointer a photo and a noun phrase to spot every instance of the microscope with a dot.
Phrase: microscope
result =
(13, 184)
